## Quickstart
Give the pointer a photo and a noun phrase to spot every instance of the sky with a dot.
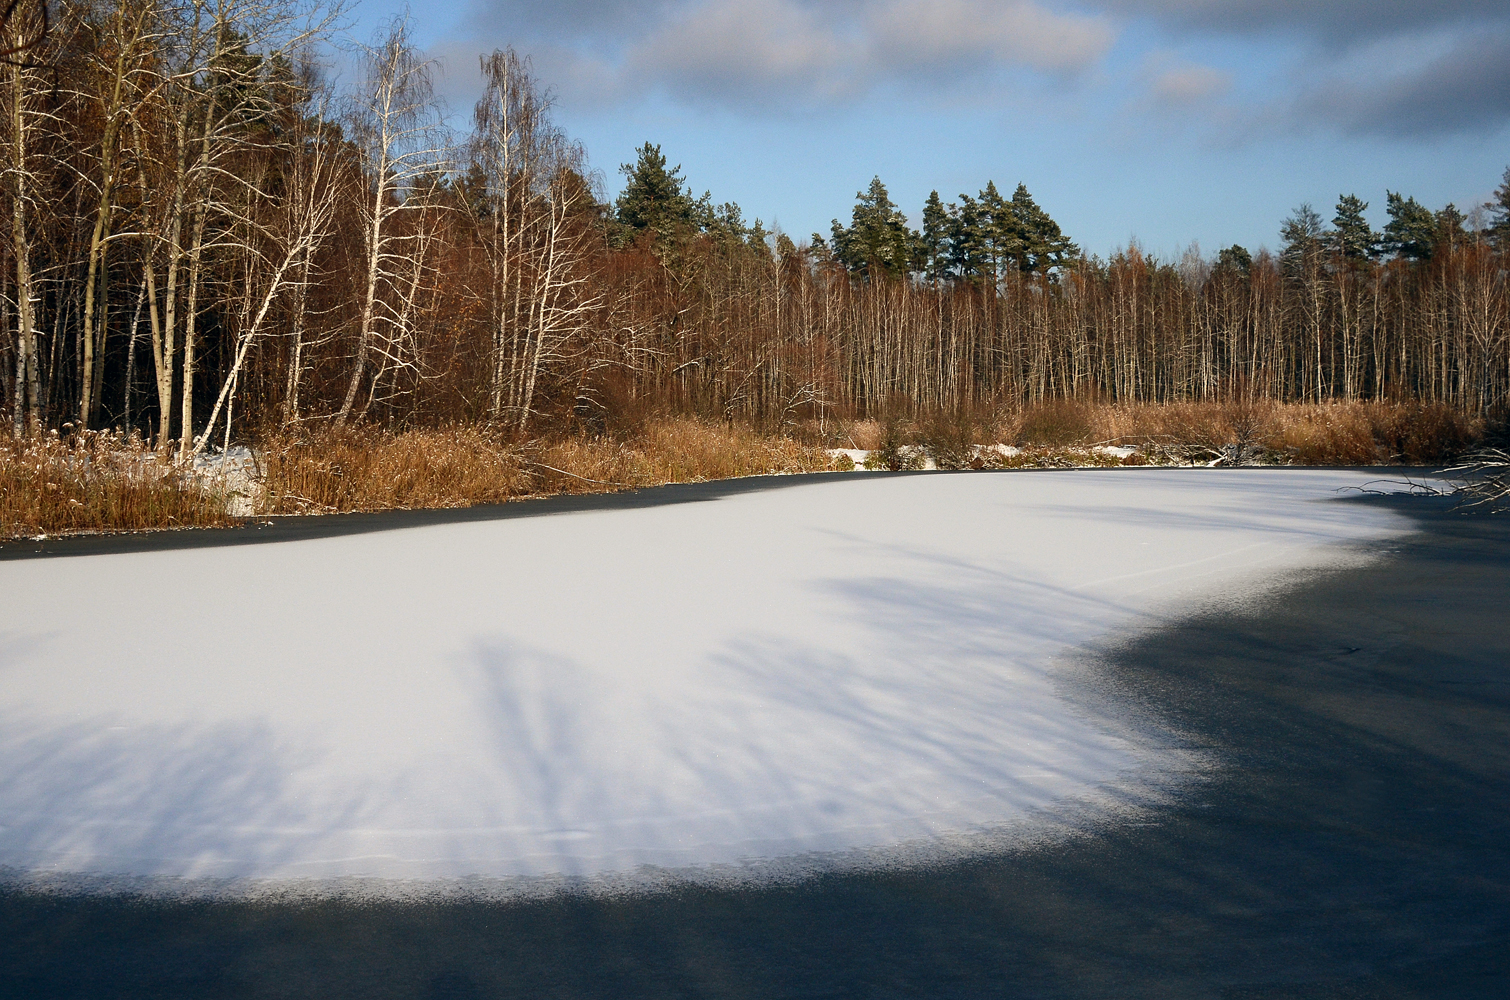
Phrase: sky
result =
(1162, 121)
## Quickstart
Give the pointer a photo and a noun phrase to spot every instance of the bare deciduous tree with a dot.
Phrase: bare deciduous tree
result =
(396, 129)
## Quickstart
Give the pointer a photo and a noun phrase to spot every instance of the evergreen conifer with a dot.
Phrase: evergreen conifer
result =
(1412, 228)
(1236, 259)
(1498, 209)
(1451, 232)
(1044, 245)
(1352, 236)
(1302, 236)
(655, 198)
(934, 242)
(877, 240)
(967, 238)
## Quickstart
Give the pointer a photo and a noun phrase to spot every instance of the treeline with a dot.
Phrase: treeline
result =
(207, 241)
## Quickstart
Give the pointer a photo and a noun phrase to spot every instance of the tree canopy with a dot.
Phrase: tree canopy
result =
(655, 198)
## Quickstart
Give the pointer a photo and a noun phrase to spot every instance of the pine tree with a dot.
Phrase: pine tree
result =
(877, 241)
(819, 250)
(1352, 236)
(1499, 213)
(1450, 232)
(755, 239)
(935, 238)
(1235, 259)
(1302, 237)
(1412, 228)
(725, 223)
(1044, 245)
(1003, 238)
(655, 198)
(969, 242)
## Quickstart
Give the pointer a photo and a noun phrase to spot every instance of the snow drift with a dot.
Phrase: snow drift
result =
(844, 664)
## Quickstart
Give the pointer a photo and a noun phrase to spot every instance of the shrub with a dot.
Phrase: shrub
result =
(949, 439)
(892, 450)
(1055, 424)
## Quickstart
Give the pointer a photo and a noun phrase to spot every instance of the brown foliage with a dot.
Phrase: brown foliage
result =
(949, 439)
(106, 482)
(1058, 423)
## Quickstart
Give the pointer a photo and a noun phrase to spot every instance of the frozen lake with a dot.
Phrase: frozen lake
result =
(852, 665)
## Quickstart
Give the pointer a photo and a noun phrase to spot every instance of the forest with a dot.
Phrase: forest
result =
(210, 244)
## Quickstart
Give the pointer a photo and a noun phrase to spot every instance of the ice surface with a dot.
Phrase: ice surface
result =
(848, 663)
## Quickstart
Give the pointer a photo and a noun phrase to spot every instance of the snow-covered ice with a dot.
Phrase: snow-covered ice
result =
(844, 664)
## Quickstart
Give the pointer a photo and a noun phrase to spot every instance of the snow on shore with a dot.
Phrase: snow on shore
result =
(843, 664)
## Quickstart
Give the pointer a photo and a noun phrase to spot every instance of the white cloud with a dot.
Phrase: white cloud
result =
(963, 34)
(747, 51)
(774, 55)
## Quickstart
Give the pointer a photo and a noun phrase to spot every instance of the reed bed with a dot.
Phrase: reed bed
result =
(1358, 433)
(354, 470)
(96, 482)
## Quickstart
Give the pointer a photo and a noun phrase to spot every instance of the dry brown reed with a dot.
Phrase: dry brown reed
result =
(1295, 433)
(105, 482)
(95, 482)
(334, 470)
(674, 450)
(339, 470)
(1361, 433)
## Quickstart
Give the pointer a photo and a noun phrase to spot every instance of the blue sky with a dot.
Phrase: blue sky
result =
(1168, 121)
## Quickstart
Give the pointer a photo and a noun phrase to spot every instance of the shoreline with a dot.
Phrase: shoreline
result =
(269, 529)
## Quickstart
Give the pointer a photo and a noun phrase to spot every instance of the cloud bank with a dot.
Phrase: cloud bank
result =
(1396, 68)
(773, 55)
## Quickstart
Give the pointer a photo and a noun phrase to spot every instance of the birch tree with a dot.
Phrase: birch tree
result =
(120, 68)
(539, 252)
(395, 127)
(276, 257)
(25, 117)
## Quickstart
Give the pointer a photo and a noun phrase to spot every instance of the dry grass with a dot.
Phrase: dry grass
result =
(1292, 434)
(98, 482)
(104, 482)
(1044, 457)
(343, 470)
(1296, 433)
(673, 451)
(338, 471)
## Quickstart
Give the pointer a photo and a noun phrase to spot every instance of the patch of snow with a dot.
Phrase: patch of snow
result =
(233, 472)
(831, 667)
(1115, 451)
(1004, 450)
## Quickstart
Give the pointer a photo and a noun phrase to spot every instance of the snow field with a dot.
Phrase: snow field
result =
(845, 664)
